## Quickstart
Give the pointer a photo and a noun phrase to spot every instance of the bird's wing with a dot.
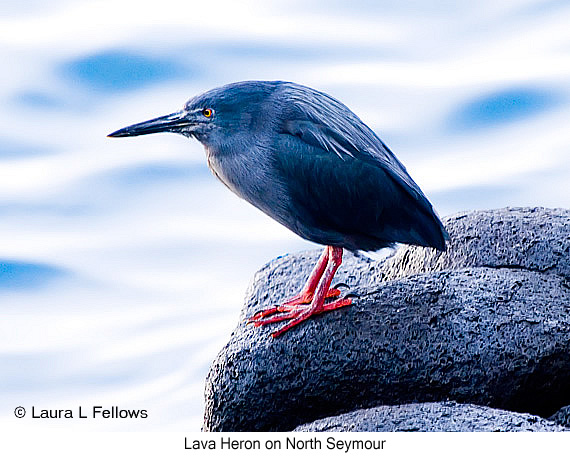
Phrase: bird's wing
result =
(324, 122)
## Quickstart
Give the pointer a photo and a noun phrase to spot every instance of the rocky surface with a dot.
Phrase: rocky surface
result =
(562, 416)
(432, 417)
(533, 239)
(487, 322)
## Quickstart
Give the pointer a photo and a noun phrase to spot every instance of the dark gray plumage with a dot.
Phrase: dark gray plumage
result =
(309, 162)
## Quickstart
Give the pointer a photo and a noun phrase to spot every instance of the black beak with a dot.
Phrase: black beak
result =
(170, 123)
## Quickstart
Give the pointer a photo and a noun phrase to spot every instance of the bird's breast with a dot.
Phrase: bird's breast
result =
(249, 174)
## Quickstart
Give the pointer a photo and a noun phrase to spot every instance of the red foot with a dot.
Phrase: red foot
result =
(312, 300)
(298, 314)
(301, 300)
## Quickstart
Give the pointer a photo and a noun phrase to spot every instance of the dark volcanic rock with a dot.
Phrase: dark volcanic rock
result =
(481, 335)
(490, 329)
(534, 239)
(562, 416)
(431, 417)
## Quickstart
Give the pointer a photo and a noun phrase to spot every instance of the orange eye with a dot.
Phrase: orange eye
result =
(207, 112)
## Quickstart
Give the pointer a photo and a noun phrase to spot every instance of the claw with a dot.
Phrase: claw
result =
(341, 285)
(262, 314)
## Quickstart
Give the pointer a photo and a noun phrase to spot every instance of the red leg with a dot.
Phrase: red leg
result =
(297, 313)
(306, 294)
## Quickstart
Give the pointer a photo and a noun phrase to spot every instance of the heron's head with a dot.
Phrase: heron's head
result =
(215, 116)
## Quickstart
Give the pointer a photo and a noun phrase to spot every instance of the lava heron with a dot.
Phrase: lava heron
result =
(309, 162)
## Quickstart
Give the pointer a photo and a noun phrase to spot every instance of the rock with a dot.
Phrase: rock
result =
(431, 417)
(562, 416)
(480, 335)
(489, 329)
(533, 239)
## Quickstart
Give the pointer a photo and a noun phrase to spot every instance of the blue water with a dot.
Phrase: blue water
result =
(25, 276)
(504, 106)
(118, 70)
(123, 263)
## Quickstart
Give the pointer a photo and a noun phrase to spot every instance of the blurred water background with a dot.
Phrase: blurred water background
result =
(123, 263)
